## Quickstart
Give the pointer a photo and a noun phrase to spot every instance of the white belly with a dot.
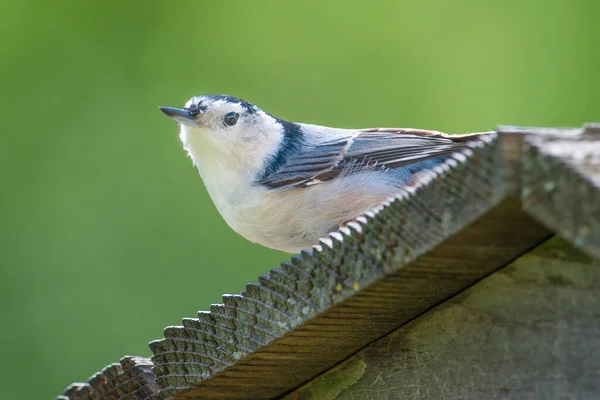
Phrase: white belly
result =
(294, 219)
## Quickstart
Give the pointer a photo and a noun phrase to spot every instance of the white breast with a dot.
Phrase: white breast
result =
(295, 219)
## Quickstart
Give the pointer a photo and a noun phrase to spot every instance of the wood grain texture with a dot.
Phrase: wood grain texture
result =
(132, 378)
(529, 331)
(457, 224)
(561, 181)
(344, 328)
(360, 284)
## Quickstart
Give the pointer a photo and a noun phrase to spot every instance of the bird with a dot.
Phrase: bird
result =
(285, 185)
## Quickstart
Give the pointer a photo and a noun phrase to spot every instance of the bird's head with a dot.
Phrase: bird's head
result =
(228, 131)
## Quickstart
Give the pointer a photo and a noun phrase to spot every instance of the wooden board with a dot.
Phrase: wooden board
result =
(309, 315)
(456, 225)
(130, 378)
(529, 331)
(561, 185)
(340, 330)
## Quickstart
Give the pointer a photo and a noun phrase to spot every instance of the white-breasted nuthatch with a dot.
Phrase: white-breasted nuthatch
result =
(285, 184)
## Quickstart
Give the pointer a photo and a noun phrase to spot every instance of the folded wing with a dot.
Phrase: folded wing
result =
(363, 150)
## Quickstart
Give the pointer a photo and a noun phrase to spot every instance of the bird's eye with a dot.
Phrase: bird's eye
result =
(193, 109)
(231, 118)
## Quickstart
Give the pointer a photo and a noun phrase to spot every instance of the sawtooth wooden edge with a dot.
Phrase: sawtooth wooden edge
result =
(458, 224)
(131, 378)
(223, 339)
(360, 283)
(561, 185)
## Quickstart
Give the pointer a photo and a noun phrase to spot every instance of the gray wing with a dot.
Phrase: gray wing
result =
(364, 150)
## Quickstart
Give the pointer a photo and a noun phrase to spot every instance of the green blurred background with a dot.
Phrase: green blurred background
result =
(107, 233)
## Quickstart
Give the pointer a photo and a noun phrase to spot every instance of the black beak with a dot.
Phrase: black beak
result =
(180, 115)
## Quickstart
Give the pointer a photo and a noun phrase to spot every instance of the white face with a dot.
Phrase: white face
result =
(225, 133)
(221, 121)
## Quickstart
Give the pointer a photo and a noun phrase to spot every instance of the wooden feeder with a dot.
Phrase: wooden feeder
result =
(480, 282)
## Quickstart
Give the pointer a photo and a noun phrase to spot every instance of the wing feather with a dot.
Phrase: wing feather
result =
(363, 150)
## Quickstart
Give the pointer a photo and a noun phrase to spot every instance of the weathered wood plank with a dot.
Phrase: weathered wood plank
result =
(455, 226)
(132, 378)
(393, 300)
(364, 282)
(529, 331)
(561, 181)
